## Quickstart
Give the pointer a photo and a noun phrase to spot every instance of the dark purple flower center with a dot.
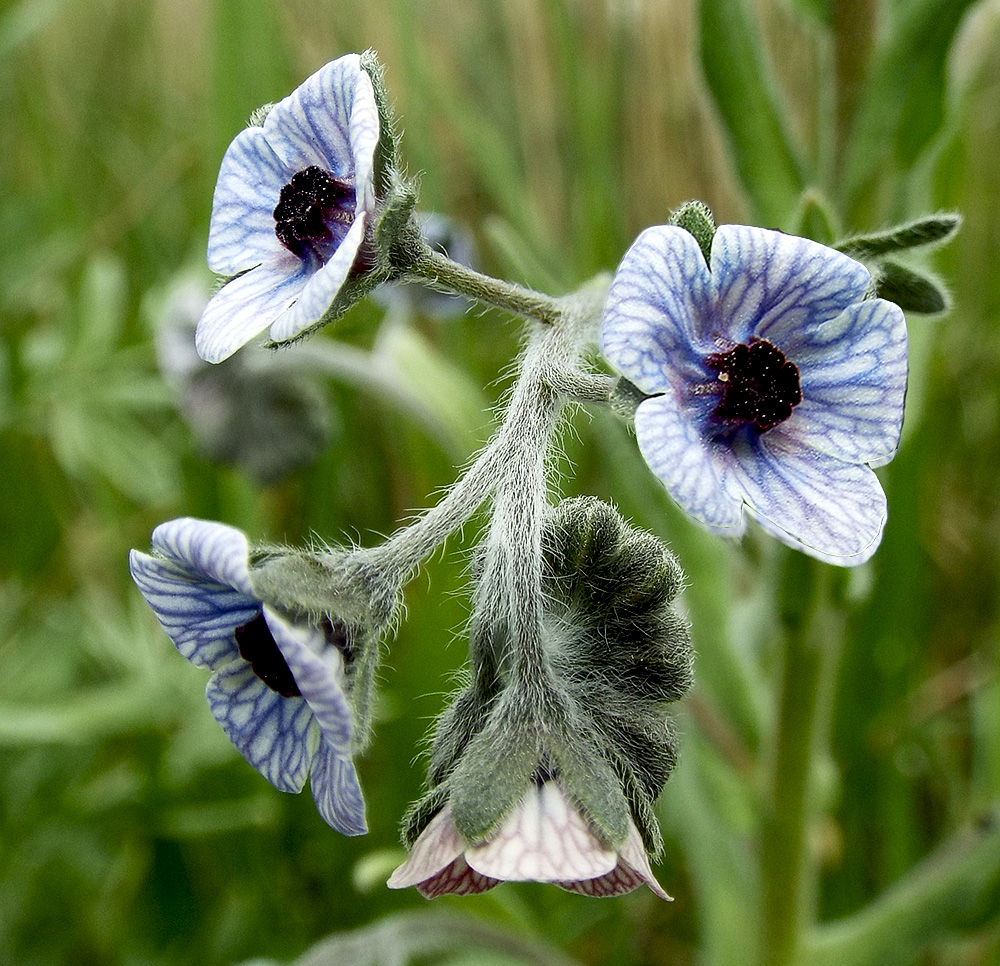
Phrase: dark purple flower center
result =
(760, 387)
(312, 203)
(258, 648)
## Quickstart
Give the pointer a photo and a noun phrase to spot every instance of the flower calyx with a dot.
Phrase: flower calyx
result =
(592, 722)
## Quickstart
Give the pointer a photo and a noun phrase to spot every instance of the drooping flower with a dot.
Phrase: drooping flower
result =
(774, 384)
(544, 839)
(292, 209)
(278, 685)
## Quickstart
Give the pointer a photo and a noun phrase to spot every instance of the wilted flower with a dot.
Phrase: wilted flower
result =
(774, 383)
(258, 410)
(278, 686)
(544, 839)
(292, 207)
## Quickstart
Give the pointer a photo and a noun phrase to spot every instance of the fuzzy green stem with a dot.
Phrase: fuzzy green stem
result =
(549, 368)
(787, 874)
(441, 272)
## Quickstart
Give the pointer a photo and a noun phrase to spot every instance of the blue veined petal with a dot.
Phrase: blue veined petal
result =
(241, 234)
(833, 510)
(199, 615)
(277, 735)
(675, 452)
(853, 374)
(335, 788)
(657, 309)
(320, 291)
(247, 305)
(313, 124)
(318, 669)
(218, 552)
(779, 287)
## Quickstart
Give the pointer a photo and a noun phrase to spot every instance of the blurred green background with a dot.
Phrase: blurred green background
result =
(131, 832)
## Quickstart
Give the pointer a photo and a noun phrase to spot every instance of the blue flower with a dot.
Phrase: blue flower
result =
(292, 211)
(277, 686)
(774, 383)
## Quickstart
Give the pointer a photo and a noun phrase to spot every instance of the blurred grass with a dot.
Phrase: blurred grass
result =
(556, 129)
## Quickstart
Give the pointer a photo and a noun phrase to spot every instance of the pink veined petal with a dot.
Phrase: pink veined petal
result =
(631, 872)
(456, 879)
(543, 840)
(321, 289)
(633, 856)
(437, 847)
(619, 881)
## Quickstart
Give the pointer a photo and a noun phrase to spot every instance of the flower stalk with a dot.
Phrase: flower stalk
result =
(786, 867)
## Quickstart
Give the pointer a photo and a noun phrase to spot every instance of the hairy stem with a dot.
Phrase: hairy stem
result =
(441, 272)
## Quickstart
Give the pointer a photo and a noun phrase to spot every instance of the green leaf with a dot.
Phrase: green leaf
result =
(911, 290)
(749, 103)
(928, 230)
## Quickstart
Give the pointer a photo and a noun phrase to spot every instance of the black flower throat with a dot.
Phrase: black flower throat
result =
(760, 387)
(258, 648)
(308, 206)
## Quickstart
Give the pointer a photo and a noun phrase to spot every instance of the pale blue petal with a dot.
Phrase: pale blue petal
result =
(247, 305)
(198, 584)
(853, 374)
(312, 126)
(656, 309)
(219, 552)
(198, 615)
(779, 287)
(318, 669)
(251, 177)
(833, 510)
(277, 735)
(675, 452)
(320, 291)
(335, 788)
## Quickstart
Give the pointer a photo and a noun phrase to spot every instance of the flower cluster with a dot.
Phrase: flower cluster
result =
(766, 380)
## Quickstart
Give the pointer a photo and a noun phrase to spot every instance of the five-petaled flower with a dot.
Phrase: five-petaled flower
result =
(544, 839)
(277, 686)
(292, 208)
(773, 382)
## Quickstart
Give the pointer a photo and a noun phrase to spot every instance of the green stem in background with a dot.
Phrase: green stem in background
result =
(812, 647)
(438, 270)
(954, 888)
(853, 32)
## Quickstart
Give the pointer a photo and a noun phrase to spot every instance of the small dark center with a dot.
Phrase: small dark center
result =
(760, 387)
(258, 648)
(307, 206)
